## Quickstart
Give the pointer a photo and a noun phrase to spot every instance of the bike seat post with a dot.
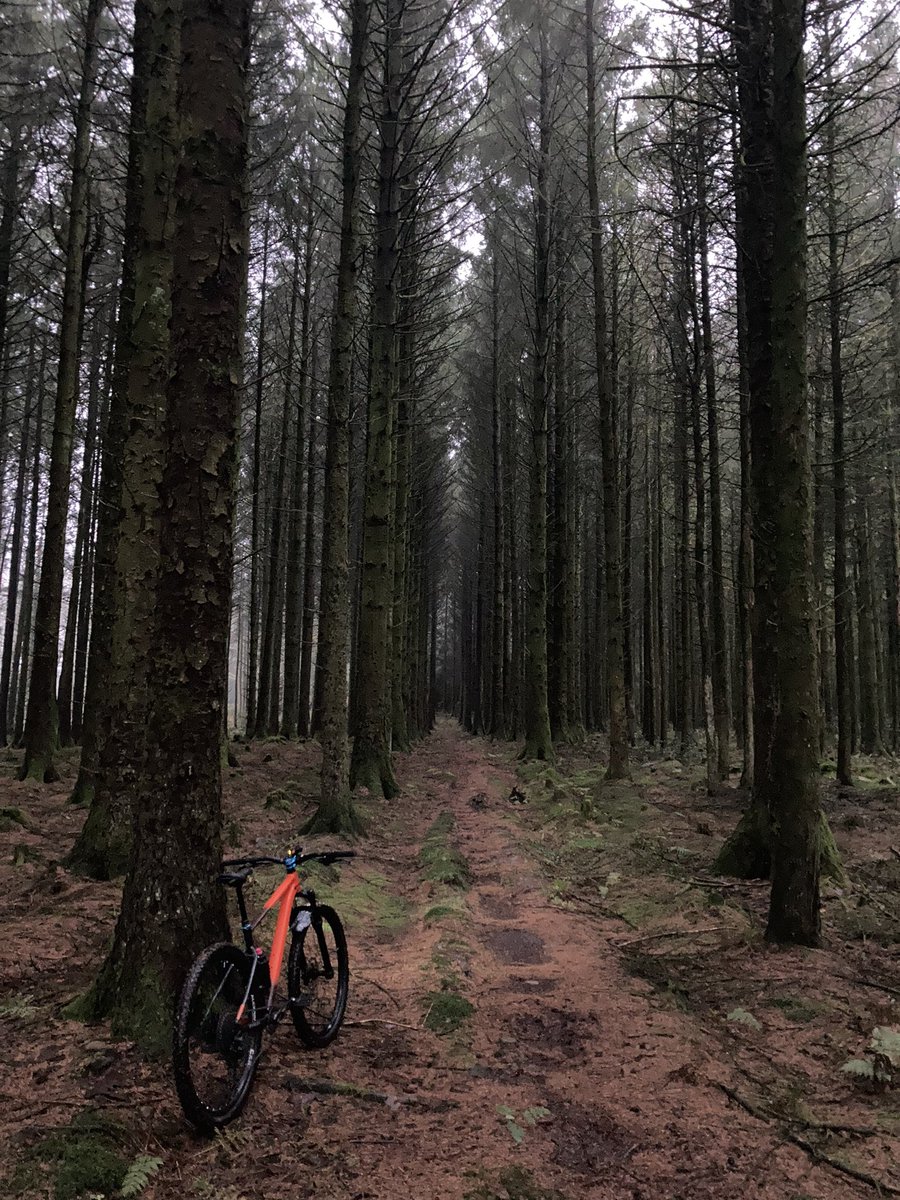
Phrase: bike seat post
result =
(245, 920)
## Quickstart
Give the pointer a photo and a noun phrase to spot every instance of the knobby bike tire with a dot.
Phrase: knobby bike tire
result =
(318, 1002)
(214, 1059)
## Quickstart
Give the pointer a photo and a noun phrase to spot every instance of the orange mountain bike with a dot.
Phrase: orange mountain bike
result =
(229, 996)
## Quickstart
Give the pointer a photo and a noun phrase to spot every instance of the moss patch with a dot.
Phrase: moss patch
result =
(802, 1012)
(446, 1011)
(12, 818)
(438, 912)
(442, 863)
(369, 900)
(85, 1158)
(512, 1183)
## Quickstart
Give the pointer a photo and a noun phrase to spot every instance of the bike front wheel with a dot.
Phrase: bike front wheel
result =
(215, 1047)
(318, 977)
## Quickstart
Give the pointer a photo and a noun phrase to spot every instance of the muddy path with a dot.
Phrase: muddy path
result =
(495, 1043)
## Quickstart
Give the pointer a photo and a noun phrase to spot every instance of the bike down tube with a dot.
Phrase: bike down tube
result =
(284, 895)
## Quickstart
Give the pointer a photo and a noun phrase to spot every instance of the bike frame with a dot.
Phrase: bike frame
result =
(283, 897)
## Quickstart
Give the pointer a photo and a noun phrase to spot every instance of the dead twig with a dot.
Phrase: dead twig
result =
(880, 1185)
(330, 1087)
(894, 851)
(378, 1021)
(649, 937)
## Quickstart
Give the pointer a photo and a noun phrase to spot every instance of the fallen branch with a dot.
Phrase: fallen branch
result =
(592, 904)
(870, 983)
(725, 884)
(880, 1185)
(649, 937)
(376, 984)
(894, 851)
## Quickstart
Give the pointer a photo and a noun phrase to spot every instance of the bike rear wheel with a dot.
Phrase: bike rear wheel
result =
(215, 1050)
(319, 978)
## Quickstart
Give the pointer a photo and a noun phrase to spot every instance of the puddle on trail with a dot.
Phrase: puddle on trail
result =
(498, 907)
(515, 946)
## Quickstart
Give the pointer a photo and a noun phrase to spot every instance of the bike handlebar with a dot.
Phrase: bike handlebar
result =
(323, 856)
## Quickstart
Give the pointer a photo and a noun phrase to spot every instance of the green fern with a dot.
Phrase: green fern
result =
(139, 1175)
(19, 1008)
(861, 1068)
(887, 1042)
(884, 1068)
(742, 1017)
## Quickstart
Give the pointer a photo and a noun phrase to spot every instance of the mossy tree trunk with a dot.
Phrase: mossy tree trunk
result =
(336, 813)
(41, 722)
(171, 904)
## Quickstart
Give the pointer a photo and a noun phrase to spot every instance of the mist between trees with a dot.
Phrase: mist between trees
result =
(533, 362)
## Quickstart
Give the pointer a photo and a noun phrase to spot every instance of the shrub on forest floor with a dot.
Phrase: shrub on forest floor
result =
(278, 800)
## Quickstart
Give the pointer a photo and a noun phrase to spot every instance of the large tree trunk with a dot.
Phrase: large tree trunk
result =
(618, 728)
(15, 560)
(538, 742)
(253, 632)
(81, 575)
(42, 719)
(718, 627)
(309, 559)
(135, 430)
(498, 622)
(336, 813)
(171, 904)
(785, 825)
(842, 586)
(371, 765)
(295, 707)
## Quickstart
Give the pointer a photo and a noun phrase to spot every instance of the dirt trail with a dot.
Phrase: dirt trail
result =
(569, 1069)
(633, 1106)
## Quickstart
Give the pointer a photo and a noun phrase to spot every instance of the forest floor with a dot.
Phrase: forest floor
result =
(558, 1001)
